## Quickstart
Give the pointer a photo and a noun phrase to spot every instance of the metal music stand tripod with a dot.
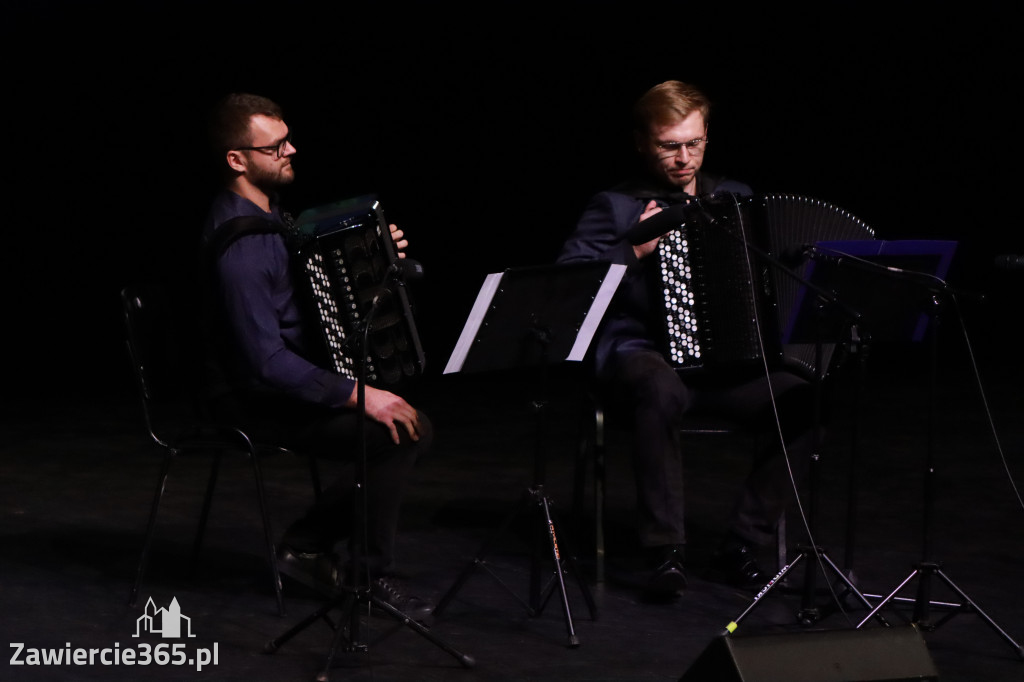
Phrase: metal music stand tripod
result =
(928, 568)
(534, 318)
(353, 598)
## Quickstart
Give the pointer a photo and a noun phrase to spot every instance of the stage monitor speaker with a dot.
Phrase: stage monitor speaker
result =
(895, 654)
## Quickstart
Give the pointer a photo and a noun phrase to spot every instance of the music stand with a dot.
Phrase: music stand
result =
(889, 284)
(862, 265)
(533, 318)
(851, 271)
(882, 280)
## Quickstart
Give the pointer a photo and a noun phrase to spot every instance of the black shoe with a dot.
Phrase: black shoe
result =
(318, 571)
(669, 576)
(390, 590)
(735, 565)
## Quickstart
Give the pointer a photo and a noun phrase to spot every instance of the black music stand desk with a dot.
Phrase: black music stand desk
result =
(855, 290)
(534, 318)
(889, 282)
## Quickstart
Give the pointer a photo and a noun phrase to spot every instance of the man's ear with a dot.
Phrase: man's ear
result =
(236, 160)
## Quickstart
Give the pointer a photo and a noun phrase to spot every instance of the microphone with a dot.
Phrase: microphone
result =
(658, 224)
(407, 270)
(1009, 261)
(401, 271)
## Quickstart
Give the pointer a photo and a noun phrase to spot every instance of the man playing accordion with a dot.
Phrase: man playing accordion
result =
(266, 373)
(671, 136)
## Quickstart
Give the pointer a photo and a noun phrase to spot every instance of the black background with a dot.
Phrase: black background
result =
(484, 129)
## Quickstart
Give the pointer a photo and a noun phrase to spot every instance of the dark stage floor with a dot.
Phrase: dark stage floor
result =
(76, 483)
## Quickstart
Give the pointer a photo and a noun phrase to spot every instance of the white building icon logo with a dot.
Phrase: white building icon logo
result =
(167, 622)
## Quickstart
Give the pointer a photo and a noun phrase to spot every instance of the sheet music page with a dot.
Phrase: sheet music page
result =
(472, 326)
(596, 313)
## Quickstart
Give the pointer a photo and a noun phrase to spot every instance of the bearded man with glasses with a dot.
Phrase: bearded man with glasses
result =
(264, 373)
(671, 138)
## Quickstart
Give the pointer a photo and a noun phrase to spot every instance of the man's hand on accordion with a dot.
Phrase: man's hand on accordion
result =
(647, 248)
(391, 410)
(398, 237)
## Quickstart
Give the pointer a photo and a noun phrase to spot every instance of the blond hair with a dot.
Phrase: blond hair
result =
(668, 103)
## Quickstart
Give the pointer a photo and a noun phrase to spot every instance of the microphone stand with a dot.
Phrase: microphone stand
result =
(808, 614)
(353, 597)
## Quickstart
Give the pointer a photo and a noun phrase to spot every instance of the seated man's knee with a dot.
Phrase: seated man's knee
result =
(424, 433)
(652, 385)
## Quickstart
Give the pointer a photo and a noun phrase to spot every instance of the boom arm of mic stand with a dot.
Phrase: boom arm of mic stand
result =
(808, 613)
(827, 297)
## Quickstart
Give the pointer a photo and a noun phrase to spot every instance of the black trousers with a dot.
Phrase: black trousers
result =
(333, 434)
(658, 398)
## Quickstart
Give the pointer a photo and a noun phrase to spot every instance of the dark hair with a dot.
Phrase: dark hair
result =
(668, 103)
(229, 122)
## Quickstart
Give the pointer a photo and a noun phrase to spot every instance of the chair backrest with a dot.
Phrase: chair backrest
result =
(156, 348)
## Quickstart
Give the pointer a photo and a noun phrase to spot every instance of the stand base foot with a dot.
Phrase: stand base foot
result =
(347, 639)
(539, 595)
(809, 615)
(924, 572)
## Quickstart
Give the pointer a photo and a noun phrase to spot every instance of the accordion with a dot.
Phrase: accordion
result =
(348, 259)
(728, 298)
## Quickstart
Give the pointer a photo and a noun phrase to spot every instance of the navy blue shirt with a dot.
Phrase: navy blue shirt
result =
(266, 343)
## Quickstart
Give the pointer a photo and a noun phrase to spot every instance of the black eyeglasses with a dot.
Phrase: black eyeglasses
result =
(276, 149)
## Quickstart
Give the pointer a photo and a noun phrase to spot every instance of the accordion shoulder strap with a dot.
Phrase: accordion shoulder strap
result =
(238, 227)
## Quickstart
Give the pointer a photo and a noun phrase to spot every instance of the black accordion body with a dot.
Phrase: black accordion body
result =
(347, 257)
(727, 301)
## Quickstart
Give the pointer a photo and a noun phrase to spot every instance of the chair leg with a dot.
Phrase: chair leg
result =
(204, 515)
(314, 474)
(599, 494)
(268, 534)
(165, 468)
(583, 455)
(780, 543)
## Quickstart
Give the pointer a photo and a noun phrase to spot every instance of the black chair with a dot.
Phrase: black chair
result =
(597, 417)
(155, 346)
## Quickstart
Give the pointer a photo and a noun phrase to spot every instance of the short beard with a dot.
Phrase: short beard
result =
(270, 181)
